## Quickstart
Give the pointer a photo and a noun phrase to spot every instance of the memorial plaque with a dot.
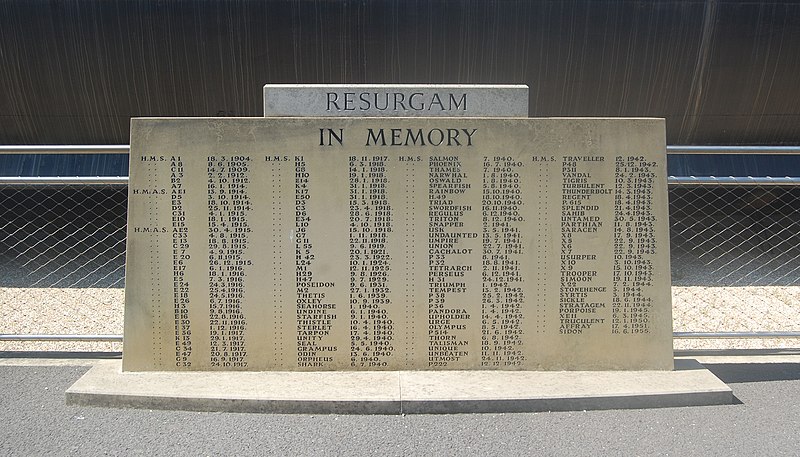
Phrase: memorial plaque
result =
(397, 244)
(404, 100)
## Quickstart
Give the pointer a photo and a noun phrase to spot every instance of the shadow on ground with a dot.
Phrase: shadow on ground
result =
(733, 373)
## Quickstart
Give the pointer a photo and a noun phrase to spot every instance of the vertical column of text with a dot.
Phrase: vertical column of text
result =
(581, 297)
(180, 260)
(228, 233)
(151, 189)
(371, 223)
(634, 245)
(281, 170)
(449, 257)
(540, 199)
(503, 297)
(408, 222)
(315, 311)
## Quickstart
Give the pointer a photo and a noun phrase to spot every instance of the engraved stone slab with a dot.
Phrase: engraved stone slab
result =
(317, 244)
(404, 100)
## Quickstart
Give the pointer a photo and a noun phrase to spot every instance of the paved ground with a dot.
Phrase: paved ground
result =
(35, 421)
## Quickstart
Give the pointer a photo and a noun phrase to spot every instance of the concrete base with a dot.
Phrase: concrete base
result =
(404, 392)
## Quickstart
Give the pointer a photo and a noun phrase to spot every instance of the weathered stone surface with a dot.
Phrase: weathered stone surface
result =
(397, 244)
(405, 100)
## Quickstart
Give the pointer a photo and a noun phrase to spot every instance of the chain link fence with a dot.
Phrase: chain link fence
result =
(62, 262)
(735, 259)
(734, 249)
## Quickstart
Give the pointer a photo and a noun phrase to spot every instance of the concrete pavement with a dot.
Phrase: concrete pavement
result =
(765, 421)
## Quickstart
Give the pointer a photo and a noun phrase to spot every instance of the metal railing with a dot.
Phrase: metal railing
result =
(737, 234)
(84, 338)
(62, 251)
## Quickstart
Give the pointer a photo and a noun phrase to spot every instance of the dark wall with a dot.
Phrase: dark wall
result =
(721, 72)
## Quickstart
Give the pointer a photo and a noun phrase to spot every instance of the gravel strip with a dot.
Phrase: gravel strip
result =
(695, 309)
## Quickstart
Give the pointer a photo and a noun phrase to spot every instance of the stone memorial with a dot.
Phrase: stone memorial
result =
(353, 263)
(348, 244)
(402, 100)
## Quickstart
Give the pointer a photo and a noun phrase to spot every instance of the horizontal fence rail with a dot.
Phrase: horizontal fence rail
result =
(671, 180)
(792, 150)
(64, 181)
(66, 149)
(689, 229)
(677, 335)
(731, 181)
(734, 335)
(84, 338)
(125, 149)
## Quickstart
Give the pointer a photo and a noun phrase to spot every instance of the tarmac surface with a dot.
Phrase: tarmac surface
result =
(765, 421)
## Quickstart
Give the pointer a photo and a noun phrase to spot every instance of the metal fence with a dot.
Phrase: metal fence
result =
(735, 256)
(734, 249)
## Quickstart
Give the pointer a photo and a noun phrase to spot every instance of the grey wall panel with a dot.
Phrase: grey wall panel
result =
(721, 72)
